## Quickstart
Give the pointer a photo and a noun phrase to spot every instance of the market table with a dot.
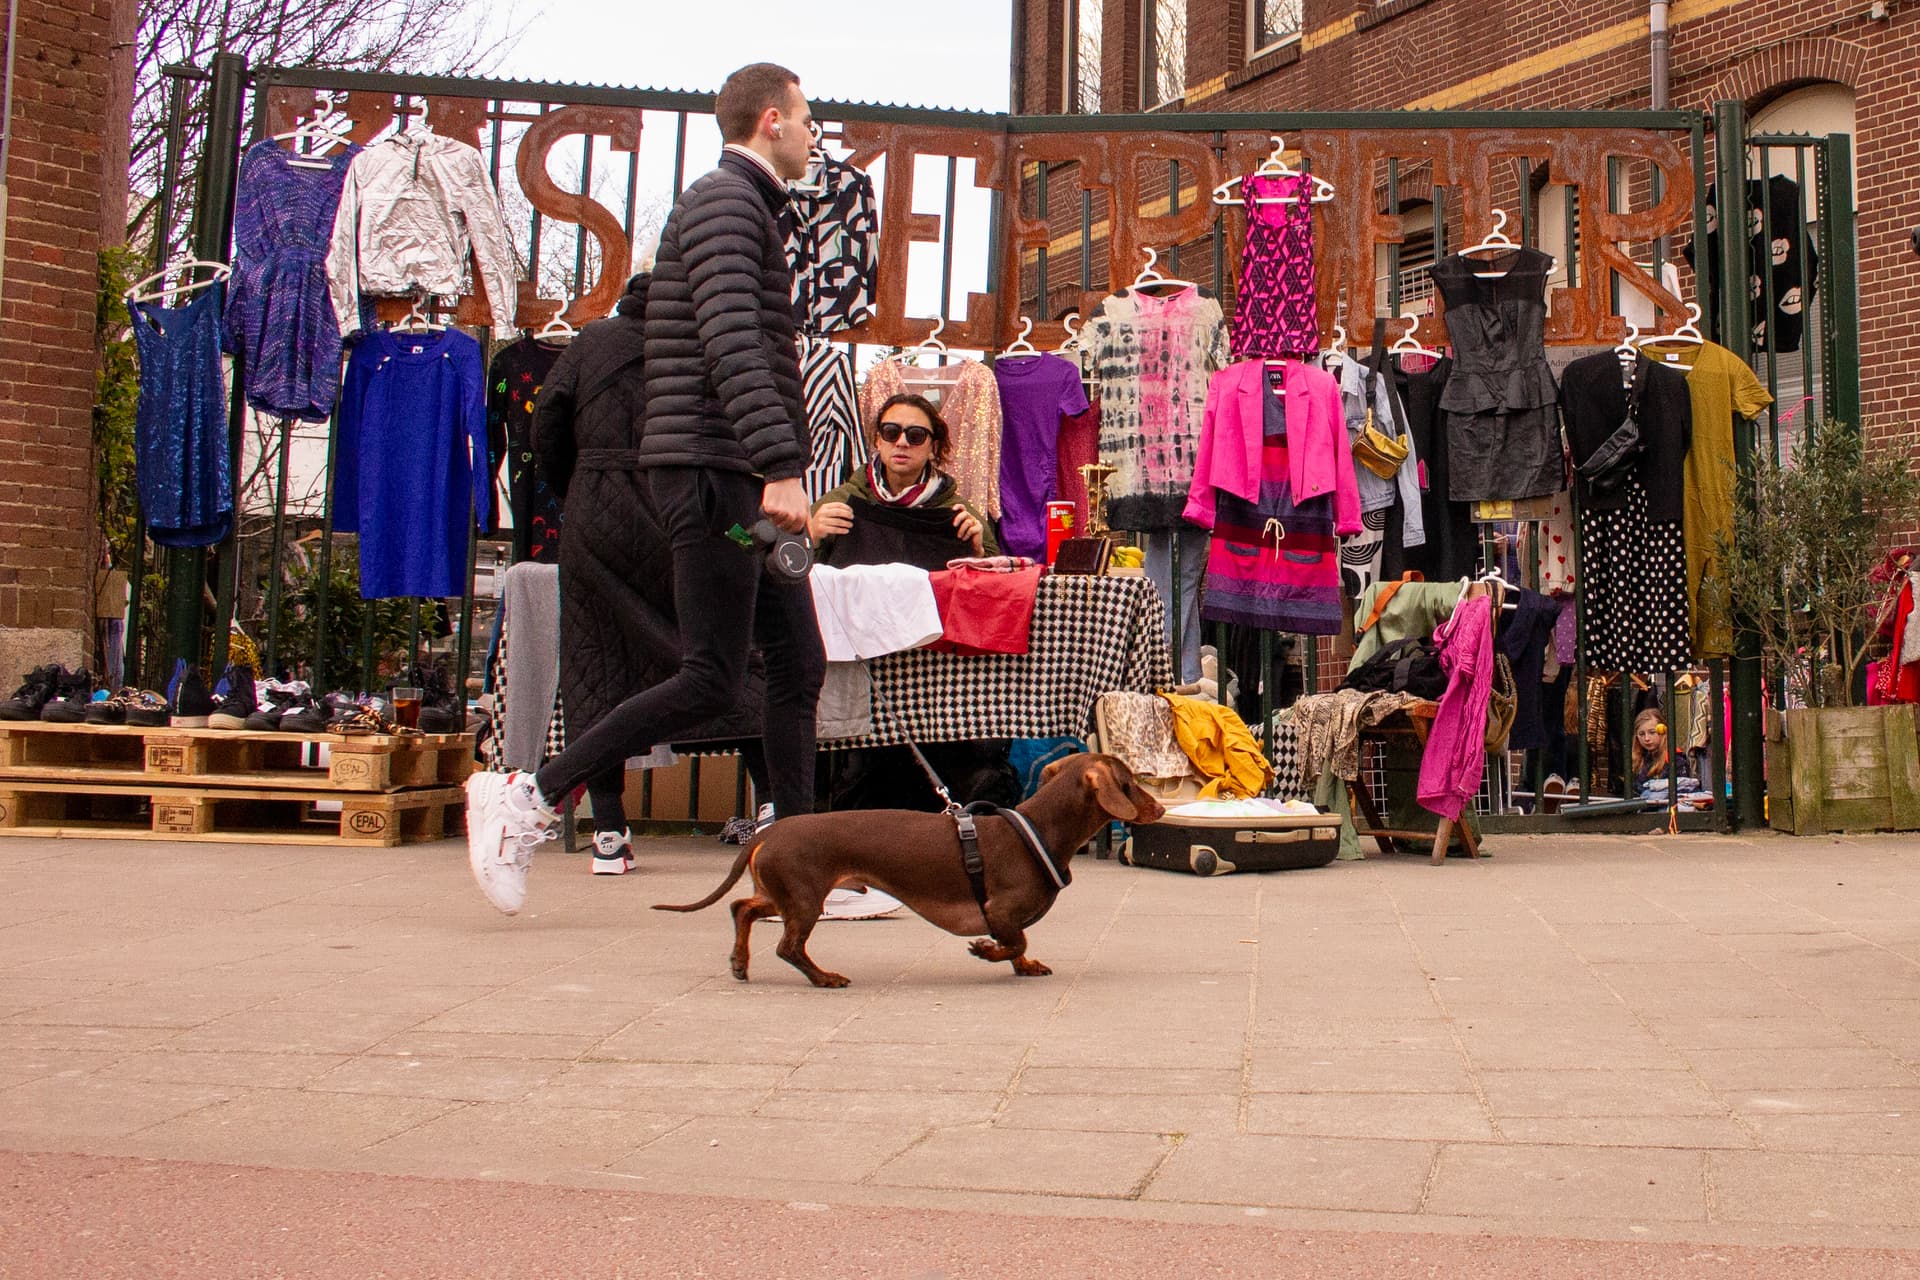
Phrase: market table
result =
(1091, 635)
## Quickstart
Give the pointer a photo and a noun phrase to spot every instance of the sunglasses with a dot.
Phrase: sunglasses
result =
(916, 434)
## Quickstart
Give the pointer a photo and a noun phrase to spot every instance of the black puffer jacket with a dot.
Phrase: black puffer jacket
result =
(618, 631)
(723, 373)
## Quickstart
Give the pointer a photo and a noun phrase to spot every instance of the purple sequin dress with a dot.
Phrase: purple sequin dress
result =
(1274, 311)
(280, 321)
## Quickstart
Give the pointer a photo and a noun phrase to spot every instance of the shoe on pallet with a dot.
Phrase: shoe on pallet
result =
(274, 698)
(612, 853)
(441, 711)
(145, 709)
(299, 714)
(41, 686)
(70, 703)
(238, 700)
(110, 710)
(188, 696)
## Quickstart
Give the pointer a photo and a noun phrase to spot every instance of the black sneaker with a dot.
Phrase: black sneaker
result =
(145, 709)
(111, 710)
(231, 712)
(192, 704)
(301, 716)
(70, 705)
(41, 686)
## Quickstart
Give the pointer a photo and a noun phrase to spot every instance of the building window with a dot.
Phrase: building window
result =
(1084, 18)
(1163, 51)
(1272, 22)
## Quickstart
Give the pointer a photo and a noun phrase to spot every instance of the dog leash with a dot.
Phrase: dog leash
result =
(963, 819)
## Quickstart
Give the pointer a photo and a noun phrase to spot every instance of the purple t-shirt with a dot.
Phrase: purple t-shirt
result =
(1035, 393)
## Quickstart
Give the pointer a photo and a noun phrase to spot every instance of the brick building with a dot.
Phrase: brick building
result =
(66, 198)
(1807, 67)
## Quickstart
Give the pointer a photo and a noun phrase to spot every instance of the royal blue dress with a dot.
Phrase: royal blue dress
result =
(181, 464)
(280, 319)
(412, 476)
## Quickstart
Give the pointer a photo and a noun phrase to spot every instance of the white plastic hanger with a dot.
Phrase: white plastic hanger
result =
(143, 291)
(1629, 350)
(1275, 166)
(556, 330)
(1020, 346)
(1497, 240)
(1408, 345)
(1687, 334)
(318, 134)
(1071, 323)
(418, 319)
(1150, 277)
(1339, 345)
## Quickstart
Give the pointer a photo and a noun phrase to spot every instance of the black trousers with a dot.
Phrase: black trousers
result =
(726, 604)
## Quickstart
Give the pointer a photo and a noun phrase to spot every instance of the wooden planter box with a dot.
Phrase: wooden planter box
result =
(1844, 769)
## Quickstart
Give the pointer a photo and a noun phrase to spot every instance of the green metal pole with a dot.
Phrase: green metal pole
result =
(1840, 294)
(1736, 334)
(212, 241)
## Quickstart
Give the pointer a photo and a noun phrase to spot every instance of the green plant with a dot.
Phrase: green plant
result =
(302, 631)
(1798, 569)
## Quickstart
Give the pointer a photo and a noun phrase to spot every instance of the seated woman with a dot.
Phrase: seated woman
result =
(903, 508)
(1650, 761)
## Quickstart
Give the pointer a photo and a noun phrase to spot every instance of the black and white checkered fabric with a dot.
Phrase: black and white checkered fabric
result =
(1090, 636)
(493, 747)
(1290, 780)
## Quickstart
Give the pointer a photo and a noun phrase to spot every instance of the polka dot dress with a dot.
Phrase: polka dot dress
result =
(1633, 588)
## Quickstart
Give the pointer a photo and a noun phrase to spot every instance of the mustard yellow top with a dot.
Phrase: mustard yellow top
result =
(1222, 748)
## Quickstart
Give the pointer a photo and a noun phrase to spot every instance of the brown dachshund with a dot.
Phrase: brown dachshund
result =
(916, 858)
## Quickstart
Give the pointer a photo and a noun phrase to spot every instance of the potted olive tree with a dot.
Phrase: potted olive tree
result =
(1798, 574)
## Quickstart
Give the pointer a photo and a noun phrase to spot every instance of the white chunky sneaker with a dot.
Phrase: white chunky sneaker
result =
(505, 820)
(855, 904)
(612, 853)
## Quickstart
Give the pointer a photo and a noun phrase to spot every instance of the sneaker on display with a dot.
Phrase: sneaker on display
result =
(145, 709)
(506, 819)
(612, 853)
(74, 694)
(41, 686)
(192, 704)
(111, 710)
(858, 904)
(1553, 794)
(231, 711)
(300, 715)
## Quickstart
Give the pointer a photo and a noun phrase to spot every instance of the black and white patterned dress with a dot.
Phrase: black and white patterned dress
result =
(831, 229)
(1633, 553)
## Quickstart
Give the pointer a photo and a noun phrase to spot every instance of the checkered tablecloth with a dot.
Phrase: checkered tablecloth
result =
(1090, 635)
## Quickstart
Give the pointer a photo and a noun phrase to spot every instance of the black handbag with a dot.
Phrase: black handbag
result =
(1404, 666)
(1607, 469)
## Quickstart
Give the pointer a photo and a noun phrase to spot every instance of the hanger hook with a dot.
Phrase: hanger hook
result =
(1153, 256)
(1026, 327)
(1499, 223)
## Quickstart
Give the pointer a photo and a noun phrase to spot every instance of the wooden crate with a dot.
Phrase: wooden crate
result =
(34, 751)
(125, 811)
(1844, 769)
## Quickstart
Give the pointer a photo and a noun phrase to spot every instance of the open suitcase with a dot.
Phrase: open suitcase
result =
(1218, 846)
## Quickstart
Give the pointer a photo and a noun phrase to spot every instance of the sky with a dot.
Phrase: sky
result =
(908, 52)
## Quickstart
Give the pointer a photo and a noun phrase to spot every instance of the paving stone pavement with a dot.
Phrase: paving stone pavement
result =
(1709, 1039)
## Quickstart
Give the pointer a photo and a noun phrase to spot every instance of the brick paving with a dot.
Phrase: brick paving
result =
(1692, 1039)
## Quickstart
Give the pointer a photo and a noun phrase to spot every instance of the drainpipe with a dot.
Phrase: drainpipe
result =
(6, 131)
(1660, 46)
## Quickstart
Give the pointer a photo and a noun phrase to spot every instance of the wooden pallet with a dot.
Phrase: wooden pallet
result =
(113, 811)
(38, 752)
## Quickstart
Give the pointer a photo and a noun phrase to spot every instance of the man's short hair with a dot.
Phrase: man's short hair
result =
(747, 94)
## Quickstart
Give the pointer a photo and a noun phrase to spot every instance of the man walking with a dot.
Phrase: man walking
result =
(725, 440)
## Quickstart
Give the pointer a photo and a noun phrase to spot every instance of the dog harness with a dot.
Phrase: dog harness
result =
(970, 859)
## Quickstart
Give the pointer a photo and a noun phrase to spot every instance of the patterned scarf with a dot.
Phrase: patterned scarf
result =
(929, 486)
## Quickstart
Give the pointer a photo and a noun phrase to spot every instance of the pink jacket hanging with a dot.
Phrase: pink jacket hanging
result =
(1319, 458)
(1456, 752)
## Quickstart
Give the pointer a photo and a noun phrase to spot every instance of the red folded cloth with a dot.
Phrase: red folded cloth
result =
(985, 611)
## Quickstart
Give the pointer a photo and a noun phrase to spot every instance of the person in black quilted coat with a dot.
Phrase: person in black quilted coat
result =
(618, 635)
(725, 440)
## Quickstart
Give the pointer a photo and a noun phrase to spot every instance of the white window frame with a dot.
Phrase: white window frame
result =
(1257, 50)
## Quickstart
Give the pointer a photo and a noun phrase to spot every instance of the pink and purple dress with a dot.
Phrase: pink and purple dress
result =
(1274, 314)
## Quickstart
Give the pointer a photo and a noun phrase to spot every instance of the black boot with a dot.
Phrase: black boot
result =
(231, 712)
(192, 704)
(40, 687)
(70, 704)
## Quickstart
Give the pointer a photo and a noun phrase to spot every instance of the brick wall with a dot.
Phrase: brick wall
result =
(1513, 54)
(67, 195)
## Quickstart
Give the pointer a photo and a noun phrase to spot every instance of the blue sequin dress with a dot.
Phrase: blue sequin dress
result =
(280, 319)
(181, 464)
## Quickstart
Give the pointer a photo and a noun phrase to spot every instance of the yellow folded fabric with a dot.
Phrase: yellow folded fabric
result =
(1222, 748)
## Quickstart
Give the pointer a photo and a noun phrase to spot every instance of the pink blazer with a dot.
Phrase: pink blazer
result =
(1319, 457)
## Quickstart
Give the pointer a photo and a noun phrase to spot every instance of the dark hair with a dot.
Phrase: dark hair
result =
(747, 94)
(934, 420)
